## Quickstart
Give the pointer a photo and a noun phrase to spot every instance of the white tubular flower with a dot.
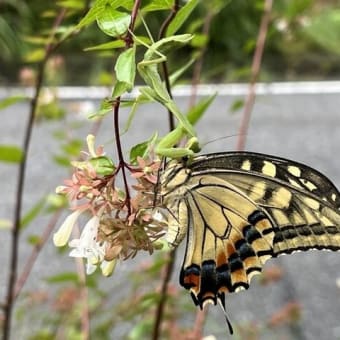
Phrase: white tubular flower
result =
(61, 237)
(107, 267)
(87, 246)
(90, 139)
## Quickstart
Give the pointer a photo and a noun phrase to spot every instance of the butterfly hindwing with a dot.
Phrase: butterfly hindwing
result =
(240, 209)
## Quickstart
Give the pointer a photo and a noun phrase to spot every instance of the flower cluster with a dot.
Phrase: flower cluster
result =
(120, 223)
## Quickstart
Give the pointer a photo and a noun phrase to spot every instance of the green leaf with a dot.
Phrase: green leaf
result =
(158, 5)
(32, 213)
(199, 40)
(142, 149)
(10, 154)
(62, 160)
(131, 115)
(34, 56)
(178, 73)
(236, 105)
(119, 89)
(114, 23)
(73, 148)
(106, 46)
(125, 68)
(56, 202)
(103, 165)
(141, 330)
(63, 277)
(138, 150)
(34, 240)
(324, 29)
(93, 13)
(100, 7)
(12, 100)
(71, 4)
(181, 17)
(105, 108)
(196, 112)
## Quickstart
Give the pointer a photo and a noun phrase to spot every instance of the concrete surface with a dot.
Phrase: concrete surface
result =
(304, 127)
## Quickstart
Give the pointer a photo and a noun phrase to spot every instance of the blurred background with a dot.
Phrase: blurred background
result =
(296, 116)
(303, 42)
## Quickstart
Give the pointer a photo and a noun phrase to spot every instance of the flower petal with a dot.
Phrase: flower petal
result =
(107, 267)
(90, 268)
(61, 237)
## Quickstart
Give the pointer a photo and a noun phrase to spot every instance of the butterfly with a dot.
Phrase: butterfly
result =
(239, 209)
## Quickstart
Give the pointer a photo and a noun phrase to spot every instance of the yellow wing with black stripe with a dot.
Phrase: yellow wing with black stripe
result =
(239, 209)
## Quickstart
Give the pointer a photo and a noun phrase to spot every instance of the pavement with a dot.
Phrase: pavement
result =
(298, 125)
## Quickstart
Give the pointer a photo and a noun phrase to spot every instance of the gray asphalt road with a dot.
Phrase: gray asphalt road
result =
(303, 127)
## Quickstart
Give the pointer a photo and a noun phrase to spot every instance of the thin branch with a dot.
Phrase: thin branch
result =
(199, 62)
(116, 106)
(163, 295)
(162, 33)
(121, 165)
(27, 268)
(34, 254)
(197, 332)
(19, 193)
(255, 70)
(13, 265)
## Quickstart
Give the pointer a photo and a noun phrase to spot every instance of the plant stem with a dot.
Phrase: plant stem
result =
(199, 62)
(116, 105)
(34, 254)
(171, 260)
(255, 70)
(163, 294)
(13, 265)
(121, 165)
(161, 35)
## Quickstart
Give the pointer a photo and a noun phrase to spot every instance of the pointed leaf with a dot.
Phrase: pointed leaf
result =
(158, 5)
(181, 17)
(114, 23)
(142, 149)
(196, 112)
(125, 68)
(10, 154)
(12, 100)
(32, 213)
(106, 46)
(63, 277)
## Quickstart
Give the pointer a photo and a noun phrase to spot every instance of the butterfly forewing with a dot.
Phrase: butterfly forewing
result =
(240, 209)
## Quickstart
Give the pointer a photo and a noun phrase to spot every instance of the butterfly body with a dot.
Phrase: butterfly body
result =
(239, 209)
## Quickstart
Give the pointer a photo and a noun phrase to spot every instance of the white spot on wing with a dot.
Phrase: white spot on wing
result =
(269, 169)
(294, 170)
(246, 165)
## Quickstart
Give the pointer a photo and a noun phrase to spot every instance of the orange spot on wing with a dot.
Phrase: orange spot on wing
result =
(230, 249)
(251, 262)
(221, 259)
(192, 280)
(263, 225)
(239, 276)
(223, 289)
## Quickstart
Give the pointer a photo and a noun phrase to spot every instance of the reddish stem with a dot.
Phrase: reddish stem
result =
(255, 70)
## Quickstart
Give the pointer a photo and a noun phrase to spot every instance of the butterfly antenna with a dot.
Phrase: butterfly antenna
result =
(221, 301)
(223, 137)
